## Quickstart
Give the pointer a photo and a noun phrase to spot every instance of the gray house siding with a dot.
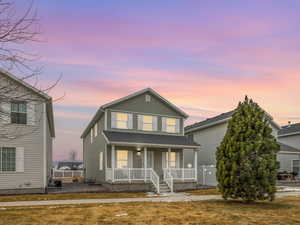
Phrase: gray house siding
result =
(292, 140)
(138, 105)
(91, 153)
(34, 167)
(285, 161)
(35, 138)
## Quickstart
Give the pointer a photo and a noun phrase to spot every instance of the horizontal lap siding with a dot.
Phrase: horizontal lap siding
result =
(33, 157)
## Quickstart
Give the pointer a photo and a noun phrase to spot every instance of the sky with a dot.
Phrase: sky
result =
(203, 56)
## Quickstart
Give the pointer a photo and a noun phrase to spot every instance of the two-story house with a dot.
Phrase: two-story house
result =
(290, 135)
(211, 131)
(138, 142)
(26, 133)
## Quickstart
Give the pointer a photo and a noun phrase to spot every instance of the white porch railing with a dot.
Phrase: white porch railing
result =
(133, 174)
(181, 173)
(66, 173)
(168, 179)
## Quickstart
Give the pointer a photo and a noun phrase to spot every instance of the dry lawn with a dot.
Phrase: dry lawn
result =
(42, 197)
(283, 211)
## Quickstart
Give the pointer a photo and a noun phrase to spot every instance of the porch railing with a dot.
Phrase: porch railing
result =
(66, 173)
(181, 173)
(168, 179)
(133, 174)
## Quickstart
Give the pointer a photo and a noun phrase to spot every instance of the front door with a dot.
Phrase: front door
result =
(158, 164)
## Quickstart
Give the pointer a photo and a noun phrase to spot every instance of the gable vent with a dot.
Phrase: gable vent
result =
(148, 98)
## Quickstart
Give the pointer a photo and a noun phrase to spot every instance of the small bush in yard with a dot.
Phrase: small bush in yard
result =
(246, 158)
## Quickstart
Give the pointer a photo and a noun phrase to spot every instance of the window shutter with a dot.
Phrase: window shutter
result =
(5, 107)
(154, 123)
(113, 120)
(130, 121)
(31, 113)
(101, 161)
(163, 124)
(177, 125)
(140, 122)
(20, 159)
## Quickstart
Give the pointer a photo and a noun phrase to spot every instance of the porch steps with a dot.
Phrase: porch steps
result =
(164, 188)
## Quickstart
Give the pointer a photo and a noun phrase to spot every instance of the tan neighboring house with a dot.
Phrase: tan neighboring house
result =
(26, 134)
(137, 143)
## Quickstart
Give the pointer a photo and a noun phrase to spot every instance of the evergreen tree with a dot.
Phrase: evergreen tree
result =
(246, 158)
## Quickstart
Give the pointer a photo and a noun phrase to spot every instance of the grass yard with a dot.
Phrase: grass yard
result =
(282, 211)
(41, 197)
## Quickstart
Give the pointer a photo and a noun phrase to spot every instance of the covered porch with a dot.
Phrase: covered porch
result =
(156, 163)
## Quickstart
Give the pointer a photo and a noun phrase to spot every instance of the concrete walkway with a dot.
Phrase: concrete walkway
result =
(176, 197)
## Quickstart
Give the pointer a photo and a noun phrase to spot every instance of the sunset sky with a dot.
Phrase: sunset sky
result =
(203, 56)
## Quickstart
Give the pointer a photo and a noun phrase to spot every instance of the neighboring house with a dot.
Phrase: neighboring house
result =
(138, 141)
(210, 133)
(290, 135)
(26, 133)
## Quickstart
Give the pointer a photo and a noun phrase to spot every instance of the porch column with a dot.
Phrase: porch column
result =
(168, 160)
(113, 162)
(145, 164)
(182, 153)
(196, 163)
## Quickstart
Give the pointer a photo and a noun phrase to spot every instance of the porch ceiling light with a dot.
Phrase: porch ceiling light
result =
(138, 151)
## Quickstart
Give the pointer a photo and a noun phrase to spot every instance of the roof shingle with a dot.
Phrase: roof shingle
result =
(289, 129)
(153, 139)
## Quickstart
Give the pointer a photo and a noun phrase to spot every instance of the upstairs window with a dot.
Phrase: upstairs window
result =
(19, 112)
(147, 123)
(7, 159)
(121, 120)
(170, 125)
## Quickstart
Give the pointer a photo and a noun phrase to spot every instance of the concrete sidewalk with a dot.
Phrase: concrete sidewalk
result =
(177, 197)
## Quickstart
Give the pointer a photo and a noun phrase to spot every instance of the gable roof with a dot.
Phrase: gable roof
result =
(224, 117)
(150, 90)
(288, 148)
(49, 106)
(100, 111)
(290, 129)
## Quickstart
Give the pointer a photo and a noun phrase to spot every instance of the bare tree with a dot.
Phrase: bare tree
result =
(16, 29)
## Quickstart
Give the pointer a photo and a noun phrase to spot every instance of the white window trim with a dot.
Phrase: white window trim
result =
(141, 126)
(164, 126)
(96, 129)
(3, 172)
(92, 134)
(128, 122)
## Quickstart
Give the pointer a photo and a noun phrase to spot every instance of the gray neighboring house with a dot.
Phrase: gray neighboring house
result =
(26, 133)
(210, 133)
(290, 135)
(137, 143)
